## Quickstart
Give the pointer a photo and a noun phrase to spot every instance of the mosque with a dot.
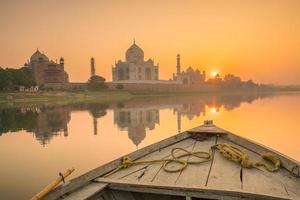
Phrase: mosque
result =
(45, 70)
(135, 68)
(190, 76)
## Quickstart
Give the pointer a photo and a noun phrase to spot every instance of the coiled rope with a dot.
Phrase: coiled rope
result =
(228, 151)
(202, 157)
(235, 154)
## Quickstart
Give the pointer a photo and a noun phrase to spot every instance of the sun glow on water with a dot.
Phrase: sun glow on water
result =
(214, 110)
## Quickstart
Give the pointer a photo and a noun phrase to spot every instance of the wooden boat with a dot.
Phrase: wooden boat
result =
(216, 178)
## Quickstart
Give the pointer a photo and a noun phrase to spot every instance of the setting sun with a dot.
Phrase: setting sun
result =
(214, 73)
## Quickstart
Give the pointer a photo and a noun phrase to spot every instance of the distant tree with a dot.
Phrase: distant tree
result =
(96, 83)
(11, 78)
(5, 80)
(232, 81)
(250, 83)
(232, 78)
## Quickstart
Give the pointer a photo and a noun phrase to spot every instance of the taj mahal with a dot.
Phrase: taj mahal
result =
(137, 70)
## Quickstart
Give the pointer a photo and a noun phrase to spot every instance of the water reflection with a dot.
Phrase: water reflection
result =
(44, 123)
(134, 116)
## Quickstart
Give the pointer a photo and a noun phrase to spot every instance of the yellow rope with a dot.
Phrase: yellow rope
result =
(203, 157)
(235, 154)
(228, 151)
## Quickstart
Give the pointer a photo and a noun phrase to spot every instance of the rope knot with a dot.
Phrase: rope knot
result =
(126, 162)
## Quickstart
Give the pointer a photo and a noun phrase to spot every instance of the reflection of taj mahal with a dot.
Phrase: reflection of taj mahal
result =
(136, 120)
(135, 68)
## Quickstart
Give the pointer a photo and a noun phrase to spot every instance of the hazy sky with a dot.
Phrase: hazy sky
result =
(256, 39)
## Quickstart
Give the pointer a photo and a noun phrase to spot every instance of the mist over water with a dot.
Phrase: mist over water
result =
(37, 142)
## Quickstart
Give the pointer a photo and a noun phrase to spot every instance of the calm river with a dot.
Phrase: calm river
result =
(36, 143)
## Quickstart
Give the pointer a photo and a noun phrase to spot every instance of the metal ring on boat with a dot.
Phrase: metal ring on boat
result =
(296, 171)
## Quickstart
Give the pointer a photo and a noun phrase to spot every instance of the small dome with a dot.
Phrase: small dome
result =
(134, 54)
(38, 56)
(150, 61)
(190, 70)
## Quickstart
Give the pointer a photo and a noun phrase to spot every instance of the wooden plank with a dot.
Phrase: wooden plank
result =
(107, 195)
(122, 195)
(207, 129)
(224, 174)
(167, 178)
(259, 180)
(197, 192)
(262, 181)
(196, 174)
(100, 171)
(162, 153)
(286, 162)
(290, 182)
(86, 191)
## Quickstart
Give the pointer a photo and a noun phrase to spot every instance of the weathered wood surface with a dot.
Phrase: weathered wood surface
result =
(208, 129)
(100, 171)
(163, 153)
(224, 174)
(86, 191)
(198, 192)
(196, 174)
(149, 173)
(286, 162)
(220, 178)
(122, 195)
(169, 178)
(281, 183)
(256, 180)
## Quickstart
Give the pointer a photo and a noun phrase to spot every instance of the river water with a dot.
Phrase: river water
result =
(38, 142)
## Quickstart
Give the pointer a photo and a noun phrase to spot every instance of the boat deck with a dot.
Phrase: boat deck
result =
(215, 179)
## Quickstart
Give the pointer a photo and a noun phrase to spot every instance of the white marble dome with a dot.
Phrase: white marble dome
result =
(134, 54)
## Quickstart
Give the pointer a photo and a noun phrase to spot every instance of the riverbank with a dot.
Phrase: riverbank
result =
(16, 99)
(57, 98)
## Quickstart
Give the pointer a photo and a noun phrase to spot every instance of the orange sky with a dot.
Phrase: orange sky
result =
(256, 39)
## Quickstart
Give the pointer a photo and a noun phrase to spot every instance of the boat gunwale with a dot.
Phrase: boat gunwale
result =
(198, 192)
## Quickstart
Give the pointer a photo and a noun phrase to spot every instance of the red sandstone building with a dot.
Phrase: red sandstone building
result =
(47, 71)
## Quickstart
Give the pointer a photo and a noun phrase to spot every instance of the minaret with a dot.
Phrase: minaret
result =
(93, 70)
(95, 123)
(62, 61)
(178, 121)
(178, 64)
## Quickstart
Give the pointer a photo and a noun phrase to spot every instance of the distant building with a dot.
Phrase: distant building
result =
(45, 70)
(135, 68)
(29, 89)
(188, 77)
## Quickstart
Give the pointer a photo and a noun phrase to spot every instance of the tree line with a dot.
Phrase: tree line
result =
(11, 78)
